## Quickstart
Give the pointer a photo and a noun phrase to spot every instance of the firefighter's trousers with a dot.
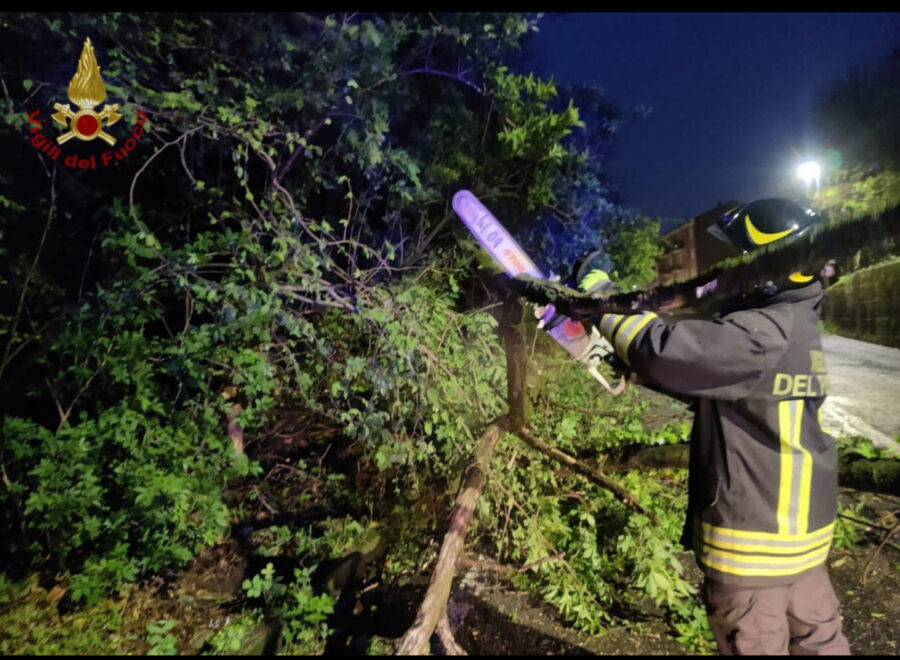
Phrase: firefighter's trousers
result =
(802, 618)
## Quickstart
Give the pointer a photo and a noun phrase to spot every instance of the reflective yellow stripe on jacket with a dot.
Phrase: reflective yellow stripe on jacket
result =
(620, 330)
(790, 550)
(795, 484)
(741, 552)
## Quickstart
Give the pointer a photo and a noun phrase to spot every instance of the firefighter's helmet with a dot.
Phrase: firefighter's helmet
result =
(596, 281)
(590, 277)
(764, 222)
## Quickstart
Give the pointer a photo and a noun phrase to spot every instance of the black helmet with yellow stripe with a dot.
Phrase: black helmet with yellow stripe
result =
(588, 274)
(773, 221)
(764, 222)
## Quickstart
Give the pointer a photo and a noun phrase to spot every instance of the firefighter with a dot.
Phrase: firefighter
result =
(762, 486)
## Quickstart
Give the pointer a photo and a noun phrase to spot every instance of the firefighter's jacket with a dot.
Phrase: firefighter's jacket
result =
(762, 488)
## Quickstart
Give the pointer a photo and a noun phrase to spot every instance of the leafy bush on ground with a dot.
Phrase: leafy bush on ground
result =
(278, 249)
(287, 245)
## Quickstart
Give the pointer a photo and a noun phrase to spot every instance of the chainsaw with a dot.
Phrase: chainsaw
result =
(587, 347)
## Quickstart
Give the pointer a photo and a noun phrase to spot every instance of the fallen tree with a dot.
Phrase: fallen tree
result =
(432, 614)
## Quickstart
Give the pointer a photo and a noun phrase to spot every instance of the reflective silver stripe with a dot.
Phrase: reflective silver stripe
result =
(756, 564)
(622, 332)
(607, 323)
(625, 337)
(764, 568)
(796, 466)
(747, 534)
(787, 544)
(793, 459)
(763, 552)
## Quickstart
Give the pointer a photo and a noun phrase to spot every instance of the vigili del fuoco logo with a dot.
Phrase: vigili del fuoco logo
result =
(86, 91)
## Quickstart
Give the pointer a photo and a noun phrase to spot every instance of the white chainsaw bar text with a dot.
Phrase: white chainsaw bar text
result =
(503, 248)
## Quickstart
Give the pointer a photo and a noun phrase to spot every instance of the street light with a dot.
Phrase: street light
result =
(810, 171)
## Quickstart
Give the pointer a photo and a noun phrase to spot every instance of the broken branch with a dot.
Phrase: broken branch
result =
(434, 605)
(596, 476)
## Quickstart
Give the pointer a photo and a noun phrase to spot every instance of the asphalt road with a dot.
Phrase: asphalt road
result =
(864, 390)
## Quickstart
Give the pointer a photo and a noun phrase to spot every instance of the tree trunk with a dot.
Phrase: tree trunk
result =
(434, 605)
(433, 609)
(870, 475)
(515, 361)
(445, 634)
(874, 476)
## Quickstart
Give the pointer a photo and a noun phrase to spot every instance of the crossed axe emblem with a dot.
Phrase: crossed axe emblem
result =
(86, 124)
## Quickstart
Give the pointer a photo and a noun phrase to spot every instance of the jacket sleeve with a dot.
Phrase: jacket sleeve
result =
(719, 359)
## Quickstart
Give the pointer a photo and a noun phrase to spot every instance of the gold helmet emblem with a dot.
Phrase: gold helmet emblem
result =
(86, 90)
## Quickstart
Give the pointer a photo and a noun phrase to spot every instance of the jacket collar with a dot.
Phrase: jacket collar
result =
(811, 295)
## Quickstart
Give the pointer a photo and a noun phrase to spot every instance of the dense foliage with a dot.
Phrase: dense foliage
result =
(856, 119)
(633, 249)
(857, 115)
(280, 244)
(859, 193)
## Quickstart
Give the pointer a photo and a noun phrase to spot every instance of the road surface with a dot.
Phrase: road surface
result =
(864, 390)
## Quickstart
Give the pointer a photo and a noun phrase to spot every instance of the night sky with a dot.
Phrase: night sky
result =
(731, 94)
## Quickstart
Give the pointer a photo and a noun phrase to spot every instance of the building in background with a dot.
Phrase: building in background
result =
(690, 249)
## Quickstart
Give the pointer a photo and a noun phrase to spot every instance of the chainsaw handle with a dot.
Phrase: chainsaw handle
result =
(615, 391)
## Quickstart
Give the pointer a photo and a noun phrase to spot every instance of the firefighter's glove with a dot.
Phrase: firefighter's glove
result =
(600, 349)
(565, 301)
